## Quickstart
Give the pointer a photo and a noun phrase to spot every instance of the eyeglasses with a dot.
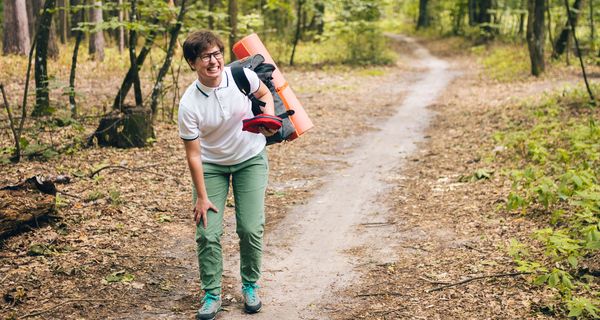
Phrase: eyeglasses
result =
(217, 54)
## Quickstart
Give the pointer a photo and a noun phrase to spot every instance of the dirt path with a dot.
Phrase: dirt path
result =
(306, 256)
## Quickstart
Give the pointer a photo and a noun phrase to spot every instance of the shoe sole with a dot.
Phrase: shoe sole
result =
(252, 311)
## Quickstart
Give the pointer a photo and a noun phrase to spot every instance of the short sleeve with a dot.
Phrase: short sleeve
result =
(188, 123)
(252, 79)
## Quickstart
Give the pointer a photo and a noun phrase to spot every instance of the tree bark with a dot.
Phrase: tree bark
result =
(298, 30)
(16, 29)
(522, 16)
(137, 88)
(473, 13)
(485, 17)
(233, 12)
(42, 97)
(62, 20)
(24, 203)
(423, 19)
(129, 77)
(212, 5)
(574, 33)
(78, 38)
(561, 44)
(156, 91)
(96, 46)
(34, 13)
(121, 29)
(536, 35)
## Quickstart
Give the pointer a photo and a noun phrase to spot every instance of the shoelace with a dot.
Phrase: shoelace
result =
(208, 300)
(249, 293)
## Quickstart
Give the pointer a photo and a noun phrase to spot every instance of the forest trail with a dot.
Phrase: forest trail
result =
(307, 256)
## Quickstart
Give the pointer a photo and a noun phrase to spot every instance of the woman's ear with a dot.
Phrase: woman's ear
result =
(190, 64)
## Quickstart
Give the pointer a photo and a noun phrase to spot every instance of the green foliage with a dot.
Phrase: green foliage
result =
(505, 63)
(555, 155)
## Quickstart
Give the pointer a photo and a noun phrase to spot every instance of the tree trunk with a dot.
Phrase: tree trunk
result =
(485, 16)
(25, 203)
(96, 46)
(79, 37)
(129, 77)
(298, 29)
(549, 23)
(560, 46)
(536, 35)
(62, 20)
(473, 13)
(459, 18)
(156, 91)
(522, 17)
(121, 29)
(233, 12)
(137, 88)
(42, 97)
(16, 30)
(212, 5)
(592, 28)
(423, 20)
(127, 129)
(34, 12)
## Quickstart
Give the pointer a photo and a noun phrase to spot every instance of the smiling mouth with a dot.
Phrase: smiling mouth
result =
(212, 69)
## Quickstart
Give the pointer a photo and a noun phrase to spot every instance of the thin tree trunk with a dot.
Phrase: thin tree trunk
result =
(549, 16)
(62, 20)
(137, 88)
(78, 38)
(485, 17)
(16, 30)
(536, 35)
(96, 46)
(129, 77)
(522, 16)
(560, 46)
(298, 30)
(592, 27)
(212, 4)
(423, 19)
(473, 14)
(156, 91)
(42, 97)
(233, 12)
(121, 29)
(572, 24)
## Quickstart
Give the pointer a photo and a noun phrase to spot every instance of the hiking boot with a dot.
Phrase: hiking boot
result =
(211, 304)
(252, 302)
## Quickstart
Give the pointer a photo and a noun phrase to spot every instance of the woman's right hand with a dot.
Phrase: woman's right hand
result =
(201, 211)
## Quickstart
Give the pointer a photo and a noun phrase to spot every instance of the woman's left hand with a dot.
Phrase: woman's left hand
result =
(267, 132)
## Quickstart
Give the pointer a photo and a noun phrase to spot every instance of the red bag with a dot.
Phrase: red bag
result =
(261, 120)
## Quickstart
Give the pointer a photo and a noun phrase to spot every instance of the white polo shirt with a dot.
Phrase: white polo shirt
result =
(215, 116)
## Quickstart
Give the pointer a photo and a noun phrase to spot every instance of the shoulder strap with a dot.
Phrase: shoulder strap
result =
(241, 81)
(239, 77)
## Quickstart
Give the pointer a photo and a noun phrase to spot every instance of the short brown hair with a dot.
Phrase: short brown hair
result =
(199, 41)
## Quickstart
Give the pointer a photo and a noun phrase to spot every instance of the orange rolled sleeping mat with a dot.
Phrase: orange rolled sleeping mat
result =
(251, 45)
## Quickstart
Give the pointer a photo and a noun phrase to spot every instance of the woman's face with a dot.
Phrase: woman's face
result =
(209, 66)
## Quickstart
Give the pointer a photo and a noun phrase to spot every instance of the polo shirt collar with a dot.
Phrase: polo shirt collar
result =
(206, 91)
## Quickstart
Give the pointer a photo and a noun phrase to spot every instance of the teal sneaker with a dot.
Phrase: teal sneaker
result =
(211, 305)
(252, 302)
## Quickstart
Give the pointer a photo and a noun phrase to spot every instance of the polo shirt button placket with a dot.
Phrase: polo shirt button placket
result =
(220, 101)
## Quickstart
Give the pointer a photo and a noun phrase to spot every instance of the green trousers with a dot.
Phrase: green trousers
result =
(249, 182)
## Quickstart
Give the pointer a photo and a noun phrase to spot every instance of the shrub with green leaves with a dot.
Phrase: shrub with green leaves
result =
(554, 160)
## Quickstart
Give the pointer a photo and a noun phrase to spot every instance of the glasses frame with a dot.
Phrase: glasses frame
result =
(207, 57)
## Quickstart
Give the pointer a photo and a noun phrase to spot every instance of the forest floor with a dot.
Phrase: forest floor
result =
(122, 246)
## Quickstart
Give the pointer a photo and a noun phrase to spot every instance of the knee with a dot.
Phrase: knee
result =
(250, 231)
(205, 237)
